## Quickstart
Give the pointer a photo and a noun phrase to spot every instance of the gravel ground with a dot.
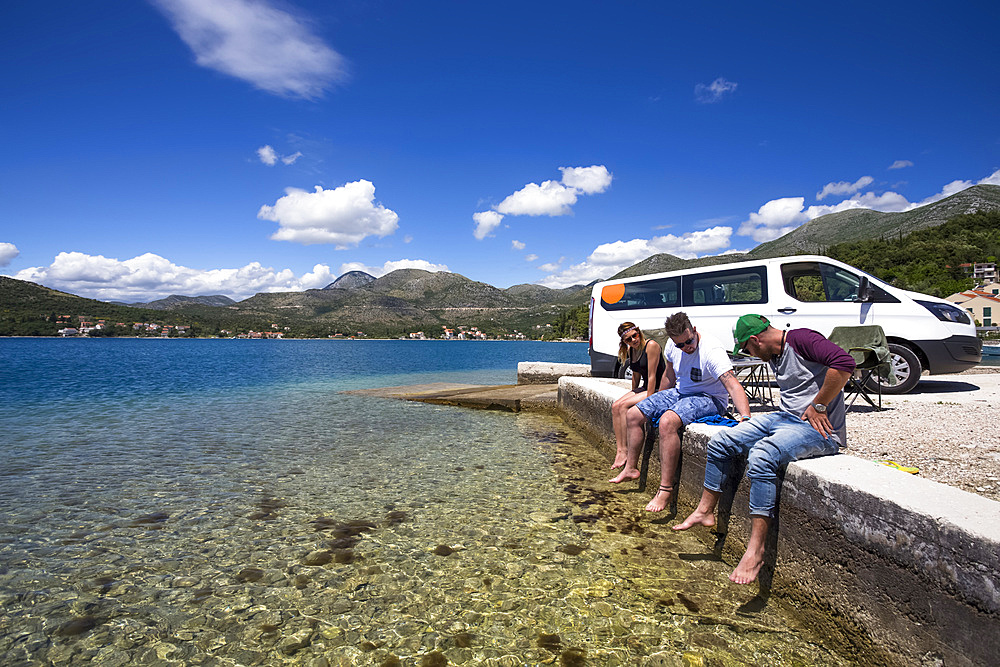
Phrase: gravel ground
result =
(951, 443)
(951, 440)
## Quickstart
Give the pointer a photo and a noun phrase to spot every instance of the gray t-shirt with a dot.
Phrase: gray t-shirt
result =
(800, 370)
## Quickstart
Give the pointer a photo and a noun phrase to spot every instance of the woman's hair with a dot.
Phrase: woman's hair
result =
(622, 345)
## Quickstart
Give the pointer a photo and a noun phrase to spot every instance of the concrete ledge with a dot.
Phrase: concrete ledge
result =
(912, 563)
(544, 372)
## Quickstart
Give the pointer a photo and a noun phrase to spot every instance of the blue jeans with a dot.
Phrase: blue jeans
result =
(770, 442)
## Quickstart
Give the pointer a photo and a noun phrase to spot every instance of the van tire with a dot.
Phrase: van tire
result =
(906, 366)
(622, 371)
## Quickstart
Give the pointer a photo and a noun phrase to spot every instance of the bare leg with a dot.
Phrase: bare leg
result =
(619, 410)
(749, 566)
(704, 514)
(670, 450)
(634, 420)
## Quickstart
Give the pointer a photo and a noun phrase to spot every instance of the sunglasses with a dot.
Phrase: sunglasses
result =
(633, 336)
(689, 341)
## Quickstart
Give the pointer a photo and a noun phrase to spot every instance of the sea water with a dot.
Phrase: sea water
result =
(223, 502)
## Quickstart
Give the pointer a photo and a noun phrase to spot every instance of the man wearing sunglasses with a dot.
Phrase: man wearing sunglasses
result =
(698, 382)
(811, 373)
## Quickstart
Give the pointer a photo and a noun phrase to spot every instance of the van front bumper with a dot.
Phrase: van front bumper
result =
(951, 355)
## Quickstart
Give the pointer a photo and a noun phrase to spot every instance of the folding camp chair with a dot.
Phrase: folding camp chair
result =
(873, 363)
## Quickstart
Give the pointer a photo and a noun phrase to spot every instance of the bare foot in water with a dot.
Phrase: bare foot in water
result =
(660, 500)
(625, 475)
(697, 518)
(619, 461)
(749, 566)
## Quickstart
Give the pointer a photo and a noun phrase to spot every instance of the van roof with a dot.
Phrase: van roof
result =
(723, 267)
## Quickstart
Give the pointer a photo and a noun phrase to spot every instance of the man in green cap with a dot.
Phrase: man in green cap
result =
(811, 373)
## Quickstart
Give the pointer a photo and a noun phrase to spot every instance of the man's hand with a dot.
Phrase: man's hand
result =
(818, 421)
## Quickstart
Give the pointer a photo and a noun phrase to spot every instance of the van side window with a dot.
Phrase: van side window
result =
(816, 281)
(726, 287)
(660, 293)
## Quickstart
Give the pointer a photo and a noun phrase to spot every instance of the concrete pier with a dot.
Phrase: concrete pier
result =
(913, 564)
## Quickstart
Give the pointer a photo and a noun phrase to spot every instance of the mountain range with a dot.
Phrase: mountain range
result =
(413, 299)
(841, 227)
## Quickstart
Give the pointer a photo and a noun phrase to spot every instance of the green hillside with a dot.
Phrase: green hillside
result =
(815, 236)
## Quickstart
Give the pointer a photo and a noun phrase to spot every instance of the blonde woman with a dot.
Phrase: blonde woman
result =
(644, 358)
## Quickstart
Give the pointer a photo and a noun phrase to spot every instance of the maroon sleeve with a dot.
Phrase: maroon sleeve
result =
(813, 346)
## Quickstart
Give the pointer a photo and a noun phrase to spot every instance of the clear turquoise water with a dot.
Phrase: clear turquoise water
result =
(222, 502)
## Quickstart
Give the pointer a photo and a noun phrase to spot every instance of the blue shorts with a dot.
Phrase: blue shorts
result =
(686, 406)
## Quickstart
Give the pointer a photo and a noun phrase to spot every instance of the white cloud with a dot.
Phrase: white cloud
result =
(530, 258)
(486, 222)
(900, 164)
(267, 155)
(393, 265)
(844, 188)
(957, 186)
(148, 277)
(551, 266)
(610, 258)
(258, 43)
(588, 180)
(270, 157)
(342, 216)
(551, 198)
(8, 251)
(517, 245)
(713, 92)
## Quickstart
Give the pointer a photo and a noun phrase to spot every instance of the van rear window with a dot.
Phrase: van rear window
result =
(734, 286)
(659, 293)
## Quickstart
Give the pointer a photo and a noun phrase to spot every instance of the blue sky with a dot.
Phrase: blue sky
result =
(237, 146)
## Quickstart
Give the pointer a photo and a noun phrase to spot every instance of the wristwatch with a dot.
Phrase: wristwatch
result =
(820, 408)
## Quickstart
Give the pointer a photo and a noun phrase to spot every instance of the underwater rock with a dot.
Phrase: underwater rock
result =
(186, 582)
(295, 642)
(249, 575)
(343, 556)
(688, 603)
(318, 557)
(76, 626)
(395, 517)
(150, 519)
(570, 549)
(435, 659)
(443, 550)
(550, 642)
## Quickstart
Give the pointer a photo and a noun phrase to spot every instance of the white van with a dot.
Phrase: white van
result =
(925, 333)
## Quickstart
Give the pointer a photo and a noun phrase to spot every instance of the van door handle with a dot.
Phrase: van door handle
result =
(786, 311)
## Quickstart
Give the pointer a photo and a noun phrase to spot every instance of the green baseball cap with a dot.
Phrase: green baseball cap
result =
(746, 326)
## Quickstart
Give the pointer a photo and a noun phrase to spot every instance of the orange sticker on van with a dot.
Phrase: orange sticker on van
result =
(612, 293)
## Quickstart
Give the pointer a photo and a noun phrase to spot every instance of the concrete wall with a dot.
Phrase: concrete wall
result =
(544, 372)
(905, 569)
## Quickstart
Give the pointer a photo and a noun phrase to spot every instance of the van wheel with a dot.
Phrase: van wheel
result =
(622, 372)
(906, 367)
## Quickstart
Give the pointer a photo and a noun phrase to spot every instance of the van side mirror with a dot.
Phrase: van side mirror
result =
(865, 292)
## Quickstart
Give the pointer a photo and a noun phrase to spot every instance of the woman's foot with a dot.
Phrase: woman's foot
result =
(697, 518)
(661, 499)
(625, 475)
(619, 461)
